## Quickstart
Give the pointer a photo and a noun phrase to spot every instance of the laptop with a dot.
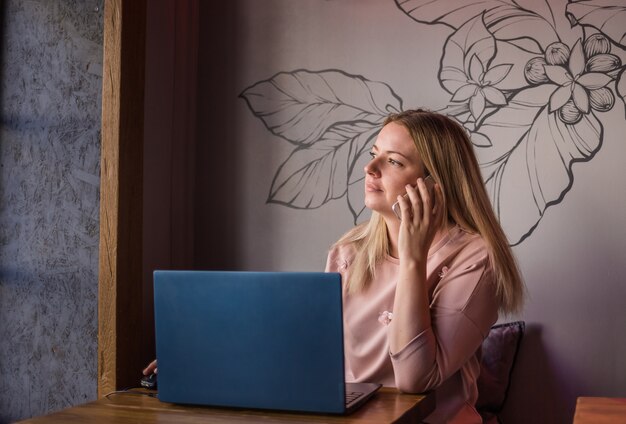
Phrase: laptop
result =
(261, 340)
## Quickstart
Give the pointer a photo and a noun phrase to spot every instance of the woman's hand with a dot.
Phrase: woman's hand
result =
(423, 220)
(151, 368)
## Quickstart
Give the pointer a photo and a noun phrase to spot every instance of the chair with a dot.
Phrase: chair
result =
(499, 351)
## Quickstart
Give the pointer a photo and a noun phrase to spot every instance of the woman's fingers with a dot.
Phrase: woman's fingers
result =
(151, 368)
(405, 207)
(422, 201)
(438, 208)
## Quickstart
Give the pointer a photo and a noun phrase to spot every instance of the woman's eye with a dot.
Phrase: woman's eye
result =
(372, 155)
(394, 162)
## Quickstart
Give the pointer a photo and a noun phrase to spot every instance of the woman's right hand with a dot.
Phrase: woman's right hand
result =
(151, 368)
(417, 233)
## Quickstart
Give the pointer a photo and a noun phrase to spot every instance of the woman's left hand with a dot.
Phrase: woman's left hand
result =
(151, 368)
(424, 219)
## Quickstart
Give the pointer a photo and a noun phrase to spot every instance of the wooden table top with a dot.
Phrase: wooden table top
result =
(386, 406)
(600, 410)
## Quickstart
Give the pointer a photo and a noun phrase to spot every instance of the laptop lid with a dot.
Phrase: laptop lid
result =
(270, 340)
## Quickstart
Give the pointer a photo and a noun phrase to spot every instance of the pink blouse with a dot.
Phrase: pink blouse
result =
(445, 357)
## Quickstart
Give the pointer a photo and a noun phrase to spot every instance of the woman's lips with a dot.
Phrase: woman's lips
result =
(371, 187)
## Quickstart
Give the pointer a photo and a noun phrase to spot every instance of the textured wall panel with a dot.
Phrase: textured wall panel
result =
(49, 180)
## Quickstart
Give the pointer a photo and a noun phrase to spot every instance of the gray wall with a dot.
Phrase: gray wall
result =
(298, 69)
(566, 216)
(49, 210)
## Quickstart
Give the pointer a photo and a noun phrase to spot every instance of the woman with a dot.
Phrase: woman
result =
(421, 292)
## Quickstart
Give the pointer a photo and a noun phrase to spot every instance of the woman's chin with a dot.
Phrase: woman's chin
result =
(380, 207)
(371, 204)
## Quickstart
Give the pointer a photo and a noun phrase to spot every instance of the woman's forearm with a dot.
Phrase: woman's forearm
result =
(411, 314)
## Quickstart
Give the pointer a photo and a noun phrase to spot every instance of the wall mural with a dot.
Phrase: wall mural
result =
(529, 83)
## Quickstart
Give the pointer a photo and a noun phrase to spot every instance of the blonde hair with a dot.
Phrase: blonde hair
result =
(448, 155)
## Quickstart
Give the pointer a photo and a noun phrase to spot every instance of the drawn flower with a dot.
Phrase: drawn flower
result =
(557, 54)
(601, 99)
(332, 119)
(597, 44)
(569, 113)
(343, 265)
(443, 272)
(535, 72)
(385, 317)
(479, 87)
(531, 116)
(577, 81)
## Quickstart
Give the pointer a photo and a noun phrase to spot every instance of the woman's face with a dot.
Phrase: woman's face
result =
(394, 164)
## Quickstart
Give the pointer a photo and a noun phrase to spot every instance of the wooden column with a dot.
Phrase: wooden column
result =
(170, 142)
(120, 322)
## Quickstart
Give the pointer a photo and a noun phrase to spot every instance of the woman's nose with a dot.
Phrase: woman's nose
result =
(371, 168)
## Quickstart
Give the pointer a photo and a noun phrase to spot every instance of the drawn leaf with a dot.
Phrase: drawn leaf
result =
(477, 105)
(464, 93)
(301, 106)
(513, 24)
(359, 156)
(560, 96)
(360, 148)
(527, 45)
(497, 74)
(470, 46)
(508, 125)
(455, 110)
(621, 85)
(494, 96)
(317, 173)
(504, 18)
(480, 140)
(355, 199)
(608, 16)
(530, 166)
(451, 13)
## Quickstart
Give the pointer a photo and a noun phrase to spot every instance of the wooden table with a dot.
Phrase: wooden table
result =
(600, 410)
(386, 406)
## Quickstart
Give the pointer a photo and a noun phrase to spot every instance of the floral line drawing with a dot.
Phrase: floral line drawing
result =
(532, 104)
(331, 118)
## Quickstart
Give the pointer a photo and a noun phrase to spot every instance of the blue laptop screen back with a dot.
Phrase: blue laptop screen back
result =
(250, 339)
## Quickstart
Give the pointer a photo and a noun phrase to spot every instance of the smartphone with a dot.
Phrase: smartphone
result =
(430, 184)
(149, 381)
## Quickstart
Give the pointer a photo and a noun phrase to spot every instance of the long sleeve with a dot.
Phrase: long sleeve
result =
(446, 356)
(463, 309)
